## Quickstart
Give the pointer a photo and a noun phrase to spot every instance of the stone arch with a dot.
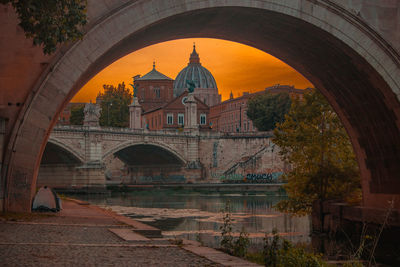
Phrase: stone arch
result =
(127, 144)
(67, 148)
(354, 67)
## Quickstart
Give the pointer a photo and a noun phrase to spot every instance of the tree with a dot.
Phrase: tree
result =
(77, 115)
(313, 140)
(268, 109)
(115, 106)
(50, 22)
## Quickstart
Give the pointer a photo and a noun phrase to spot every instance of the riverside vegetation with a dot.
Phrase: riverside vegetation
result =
(279, 252)
(314, 142)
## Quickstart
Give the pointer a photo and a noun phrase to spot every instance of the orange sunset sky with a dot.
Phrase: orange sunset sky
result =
(235, 67)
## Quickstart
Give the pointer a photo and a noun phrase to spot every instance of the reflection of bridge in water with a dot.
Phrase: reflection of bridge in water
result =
(80, 156)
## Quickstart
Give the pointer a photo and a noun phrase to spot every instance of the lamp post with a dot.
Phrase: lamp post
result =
(240, 117)
(108, 113)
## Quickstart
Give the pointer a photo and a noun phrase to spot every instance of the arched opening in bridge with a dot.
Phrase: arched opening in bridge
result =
(329, 50)
(149, 164)
(55, 154)
(59, 166)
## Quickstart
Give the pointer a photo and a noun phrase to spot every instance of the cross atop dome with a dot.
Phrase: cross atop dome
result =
(154, 64)
(194, 57)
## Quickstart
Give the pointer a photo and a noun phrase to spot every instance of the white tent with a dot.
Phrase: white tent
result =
(46, 200)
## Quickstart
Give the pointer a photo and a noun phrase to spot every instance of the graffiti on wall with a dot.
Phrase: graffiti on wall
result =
(215, 158)
(270, 176)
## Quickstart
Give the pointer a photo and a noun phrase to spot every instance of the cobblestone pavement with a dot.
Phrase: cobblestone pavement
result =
(45, 255)
(80, 236)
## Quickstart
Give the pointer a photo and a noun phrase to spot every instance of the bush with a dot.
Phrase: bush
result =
(241, 244)
(226, 229)
(281, 253)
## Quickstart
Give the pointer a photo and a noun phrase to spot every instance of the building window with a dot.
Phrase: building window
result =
(157, 92)
(170, 118)
(202, 119)
(181, 118)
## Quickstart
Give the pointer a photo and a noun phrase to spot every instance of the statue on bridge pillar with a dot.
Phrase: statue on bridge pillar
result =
(135, 111)
(191, 109)
(92, 115)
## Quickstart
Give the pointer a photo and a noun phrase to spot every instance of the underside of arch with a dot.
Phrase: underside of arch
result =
(57, 154)
(147, 155)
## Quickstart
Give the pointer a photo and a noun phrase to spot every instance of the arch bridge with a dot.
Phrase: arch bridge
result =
(349, 50)
(78, 156)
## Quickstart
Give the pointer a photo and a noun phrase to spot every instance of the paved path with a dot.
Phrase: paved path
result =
(85, 235)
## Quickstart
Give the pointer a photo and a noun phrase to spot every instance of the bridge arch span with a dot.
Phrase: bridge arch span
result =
(168, 149)
(77, 157)
(353, 66)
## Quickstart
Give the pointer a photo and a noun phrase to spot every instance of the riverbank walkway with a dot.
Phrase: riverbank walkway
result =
(86, 235)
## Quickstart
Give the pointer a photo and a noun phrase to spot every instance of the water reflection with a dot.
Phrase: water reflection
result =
(197, 216)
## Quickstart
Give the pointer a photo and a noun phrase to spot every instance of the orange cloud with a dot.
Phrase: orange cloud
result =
(235, 67)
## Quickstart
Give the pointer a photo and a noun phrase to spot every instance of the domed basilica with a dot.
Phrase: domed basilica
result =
(161, 100)
(206, 87)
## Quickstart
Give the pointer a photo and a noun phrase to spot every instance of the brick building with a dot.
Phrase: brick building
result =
(65, 115)
(230, 115)
(171, 115)
(161, 99)
(154, 89)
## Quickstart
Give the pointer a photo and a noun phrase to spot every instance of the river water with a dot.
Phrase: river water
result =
(197, 216)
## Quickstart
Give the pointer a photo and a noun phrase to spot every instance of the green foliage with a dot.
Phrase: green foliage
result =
(271, 249)
(353, 264)
(77, 115)
(236, 247)
(241, 244)
(50, 22)
(226, 242)
(115, 106)
(313, 141)
(281, 253)
(298, 257)
(268, 109)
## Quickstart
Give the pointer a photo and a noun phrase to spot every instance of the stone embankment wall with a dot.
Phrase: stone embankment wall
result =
(349, 226)
(72, 176)
(234, 156)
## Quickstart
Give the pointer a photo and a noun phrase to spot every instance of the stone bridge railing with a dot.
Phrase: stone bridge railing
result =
(169, 132)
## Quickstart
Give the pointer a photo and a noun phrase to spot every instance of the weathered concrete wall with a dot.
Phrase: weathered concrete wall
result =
(382, 16)
(239, 154)
(73, 177)
(162, 175)
(348, 226)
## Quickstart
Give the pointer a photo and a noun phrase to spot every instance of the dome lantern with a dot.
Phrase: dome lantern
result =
(194, 57)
